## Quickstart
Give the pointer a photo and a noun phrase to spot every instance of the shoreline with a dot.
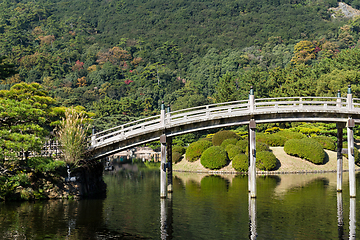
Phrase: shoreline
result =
(286, 165)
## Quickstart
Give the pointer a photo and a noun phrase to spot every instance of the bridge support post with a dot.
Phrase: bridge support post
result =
(339, 127)
(169, 165)
(93, 136)
(252, 160)
(163, 167)
(350, 138)
(349, 99)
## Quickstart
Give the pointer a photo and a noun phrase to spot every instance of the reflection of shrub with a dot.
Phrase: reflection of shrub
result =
(306, 148)
(214, 157)
(179, 149)
(326, 142)
(273, 140)
(228, 141)
(265, 160)
(243, 144)
(219, 137)
(176, 157)
(240, 163)
(195, 149)
(233, 150)
(211, 185)
(356, 154)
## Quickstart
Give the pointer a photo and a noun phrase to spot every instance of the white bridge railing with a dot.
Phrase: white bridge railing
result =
(224, 110)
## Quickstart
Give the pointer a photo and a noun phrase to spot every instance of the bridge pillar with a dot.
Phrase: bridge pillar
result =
(252, 158)
(162, 114)
(339, 127)
(93, 136)
(350, 138)
(349, 99)
(163, 167)
(169, 165)
(251, 100)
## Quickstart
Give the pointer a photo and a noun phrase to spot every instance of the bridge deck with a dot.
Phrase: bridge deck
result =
(266, 110)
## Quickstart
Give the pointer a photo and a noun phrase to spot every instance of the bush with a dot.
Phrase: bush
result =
(45, 164)
(306, 148)
(326, 142)
(265, 160)
(233, 150)
(273, 140)
(290, 134)
(214, 157)
(195, 149)
(228, 141)
(179, 149)
(243, 144)
(240, 163)
(220, 136)
(176, 157)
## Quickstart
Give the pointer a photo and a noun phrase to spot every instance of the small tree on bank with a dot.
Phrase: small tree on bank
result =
(72, 135)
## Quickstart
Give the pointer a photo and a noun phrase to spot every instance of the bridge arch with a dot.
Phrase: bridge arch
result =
(250, 112)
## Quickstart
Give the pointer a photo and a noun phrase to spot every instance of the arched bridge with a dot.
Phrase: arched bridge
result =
(265, 110)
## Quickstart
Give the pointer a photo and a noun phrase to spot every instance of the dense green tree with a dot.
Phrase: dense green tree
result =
(24, 110)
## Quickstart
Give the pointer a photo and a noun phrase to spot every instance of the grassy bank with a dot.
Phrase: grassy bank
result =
(286, 163)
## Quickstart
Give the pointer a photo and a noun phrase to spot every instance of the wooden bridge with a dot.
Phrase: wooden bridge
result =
(340, 110)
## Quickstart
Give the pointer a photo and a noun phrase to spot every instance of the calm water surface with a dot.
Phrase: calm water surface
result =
(201, 207)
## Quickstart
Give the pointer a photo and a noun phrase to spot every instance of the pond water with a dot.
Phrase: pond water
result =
(303, 206)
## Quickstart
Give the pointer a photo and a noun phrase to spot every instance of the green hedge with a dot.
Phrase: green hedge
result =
(233, 150)
(243, 144)
(326, 142)
(195, 149)
(176, 157)
(240, 163)
(214, 157)
(273, 140)
(305, 148)
(228, 141)
(265, 160)
(179, 149)
(220, 136)
(290, 134)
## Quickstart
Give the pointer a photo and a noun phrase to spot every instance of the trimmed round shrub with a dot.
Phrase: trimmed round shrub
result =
(273, 140)
(233, 150)
(214, 157)
(240, 163)
(195, 149)
(220, 136)
(179, 149)
(228, 141)
(176, 157)
(305, 148)
(326, 142)
(356, 154)
(265, 161)
(243, 144)
(290, 134)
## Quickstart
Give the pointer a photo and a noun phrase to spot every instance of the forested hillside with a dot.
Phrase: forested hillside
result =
(121, 58)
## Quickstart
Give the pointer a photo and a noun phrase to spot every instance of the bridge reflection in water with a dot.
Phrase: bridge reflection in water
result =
(166, 218)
